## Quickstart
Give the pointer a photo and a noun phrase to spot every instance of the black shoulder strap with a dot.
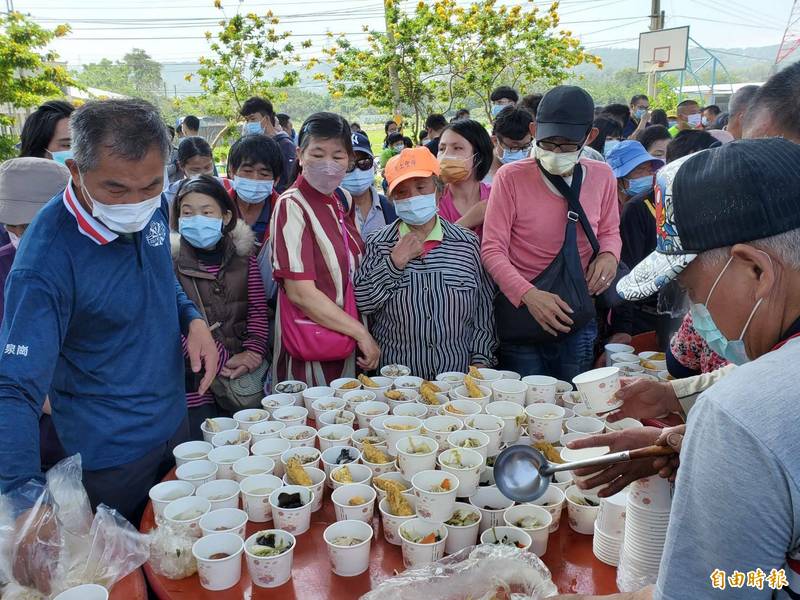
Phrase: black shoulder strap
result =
(343, 199)
(572, 195)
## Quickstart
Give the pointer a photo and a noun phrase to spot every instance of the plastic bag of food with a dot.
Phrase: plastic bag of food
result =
(171, 553)
(483, 572)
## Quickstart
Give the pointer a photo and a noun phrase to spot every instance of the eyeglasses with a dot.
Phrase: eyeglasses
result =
(364, 164)
(525, 148)
(565, 147)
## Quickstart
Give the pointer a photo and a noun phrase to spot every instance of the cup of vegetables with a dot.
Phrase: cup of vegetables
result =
(269, 557)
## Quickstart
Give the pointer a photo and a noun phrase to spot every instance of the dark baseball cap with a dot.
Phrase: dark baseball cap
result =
(733, 194)
(361, 143)
(565, 111)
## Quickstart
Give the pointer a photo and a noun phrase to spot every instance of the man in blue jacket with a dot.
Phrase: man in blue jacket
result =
(94, 317)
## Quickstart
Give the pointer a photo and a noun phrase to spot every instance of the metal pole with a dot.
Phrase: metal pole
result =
(656, 21)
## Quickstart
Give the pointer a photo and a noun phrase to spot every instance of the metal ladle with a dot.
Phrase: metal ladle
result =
(522, 473)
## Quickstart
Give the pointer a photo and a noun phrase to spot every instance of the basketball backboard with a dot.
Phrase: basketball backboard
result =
(663, 50)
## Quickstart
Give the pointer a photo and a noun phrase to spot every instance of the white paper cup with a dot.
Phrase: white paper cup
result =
(611, 516)
(266, 430)
(461, 409)
(459, 392)
(563, 480)
(630, 369)
(541, 388)
(411, 409)
(232, 437)
(454, 378)
(222, 423)
(470, 439)
(224, 520)
(309, 457)
(434, 506)
(340, 391)
(566, 438)
(469, 476)
(318, 486)
(184, 515)
(624, 357)
(462, 536)
(86, 591)
(598, 388)
(290, 415)
(497, 504)
(584, 425)
(224, 458)
(250, 416)
(553, 501)
(359, 473)
(334, 435)
(332, 454)
(274, 401)
(544, 422)
(165, 492)
(396, 476)
(337, 417)
(219, 573)
(356, 397)
(415, 554)
(350, 560)
(581, 518)
(509, 390)
(512, 415)
(294, 520)
(408, 382)
(286, 387)
(300, 436)
(539, 533)
(252, 465)
(197, 472)
(366, 411)
(439, 427)
(393, 434)
(490, 425)
(358, 439)
(273, 448)
(407, 396)
(384, 385)
(487, 477)
(270, 571)
(379, 469)
(612, 349)
(312, 393)
(325, 404)
(362, 511)
(411, 463)
(570, 455)
(562, 387)
(189, 451)
(392, 523)
(222, 493)
(520, 538)
(377, 426)
(571, 399)
(255, 492)
(626, 423)
(510, 375)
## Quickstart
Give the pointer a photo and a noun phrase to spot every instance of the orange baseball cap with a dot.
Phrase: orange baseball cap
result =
(411, 162)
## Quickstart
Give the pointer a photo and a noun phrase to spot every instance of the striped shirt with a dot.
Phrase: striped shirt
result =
(435, 315)
(257, 331)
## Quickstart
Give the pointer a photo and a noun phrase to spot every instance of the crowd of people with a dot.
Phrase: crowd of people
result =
(145, 293)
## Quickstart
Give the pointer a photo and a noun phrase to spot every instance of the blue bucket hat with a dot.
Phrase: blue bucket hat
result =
(627, 155)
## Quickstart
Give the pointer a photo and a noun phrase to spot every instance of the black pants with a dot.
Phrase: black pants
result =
(125, 487)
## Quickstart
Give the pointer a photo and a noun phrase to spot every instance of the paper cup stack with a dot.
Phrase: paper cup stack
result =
(609, 528)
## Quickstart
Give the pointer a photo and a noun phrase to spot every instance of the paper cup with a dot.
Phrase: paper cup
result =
(611, 516)
(624, 357)
(400, 427)
(313, 393)
(407, 396)
(221, 424)
(612, 349)
(509, 390)
(411, 409)
(510, 375)
(454, 378)
(581, 517)
(222, 493)
(570, 455)
(249, 417)
(87, 591)
(300, 436)
(334, 435)
(571, 399)
(318, 486)
(439, 427)
(252, 465)
(189, 451)
(339, 385)
(197, 472)
(461, 409)
(379, 469)
(409, 462)
(273, 448)
(395, 476)
(392, 523)
(310, 457)
(255, 492)
(626, 423)
(335, 456)
(337, 417)
(384, 384)
(232, 437)
(266, 430)
(361, 511)
(468, 476)
(598, 388)
(378, 439)
(462, 536)
(290, 415)
(584, 425)
(512, 414)
(294, 520)
(219, 573)
(416, 554)
(492, 426)
(562, 387)
(224, 458)
(224, 520)
(460, 392)
(351, 559)
(544, 422)
(292, 387)
(408, 382)
(470, 439)
(395, 371)
(492, 504)
(165, 492)
(357, 397)
(377, 426)
(359, 474)
(325, 404)
(538, 532)
(184, 515)
(270, 571)
(366, 411)
(553, 501)
(563, 480)
(541, 388)
(434, 506)
(273, 401)
(516, 536)
(487, 477)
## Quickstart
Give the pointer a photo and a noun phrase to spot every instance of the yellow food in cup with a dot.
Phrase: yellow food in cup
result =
(350, 385)
(474, 373)
(472, 388)
(367, 382)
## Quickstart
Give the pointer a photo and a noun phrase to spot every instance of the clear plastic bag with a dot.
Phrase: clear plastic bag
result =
(171, 553)
(483, 572)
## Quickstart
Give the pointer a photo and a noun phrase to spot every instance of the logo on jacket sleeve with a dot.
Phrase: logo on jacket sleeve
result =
(156, 234)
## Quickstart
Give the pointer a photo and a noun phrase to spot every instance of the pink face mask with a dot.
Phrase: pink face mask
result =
(324, 175)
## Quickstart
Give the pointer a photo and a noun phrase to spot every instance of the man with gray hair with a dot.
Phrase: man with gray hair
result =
(94, 317)
(737, 109)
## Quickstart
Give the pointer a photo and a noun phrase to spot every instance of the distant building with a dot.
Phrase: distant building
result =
(721, 96)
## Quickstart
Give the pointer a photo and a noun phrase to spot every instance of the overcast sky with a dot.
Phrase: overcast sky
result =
(172, 30)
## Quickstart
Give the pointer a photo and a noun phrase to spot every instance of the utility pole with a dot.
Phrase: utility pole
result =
(10, 6)
(389, 5)
(656, 23)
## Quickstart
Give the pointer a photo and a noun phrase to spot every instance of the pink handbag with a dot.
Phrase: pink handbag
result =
(309, 341)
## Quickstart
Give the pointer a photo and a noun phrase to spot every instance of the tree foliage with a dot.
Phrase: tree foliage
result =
(136, 75)
(625, 83)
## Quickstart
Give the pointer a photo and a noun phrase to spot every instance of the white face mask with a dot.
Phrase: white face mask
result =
(557, 163)
(124, 218)
(14, 238)
(694, 120)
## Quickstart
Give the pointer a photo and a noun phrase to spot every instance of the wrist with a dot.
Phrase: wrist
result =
(398, 263)
(530, 295)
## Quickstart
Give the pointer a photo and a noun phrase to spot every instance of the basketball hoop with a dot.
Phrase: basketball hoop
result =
(663, 50)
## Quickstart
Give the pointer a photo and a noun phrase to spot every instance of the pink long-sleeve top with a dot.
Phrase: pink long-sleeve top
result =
(525, 222)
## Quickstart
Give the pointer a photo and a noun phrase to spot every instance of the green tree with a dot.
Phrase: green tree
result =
(28, 71)
(135, 75)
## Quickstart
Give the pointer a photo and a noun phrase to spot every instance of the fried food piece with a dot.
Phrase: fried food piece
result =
(385, 485)
(374, 455)
(549, 451)
(472, 388)
(398, 505)
(350, 385)
(357, 501)
(297, 474)
(431, 386)
(474, 373)
(211, 426)
(394, 395)
(367, 382)
(428, 392)
(452, 409)
(343, 475)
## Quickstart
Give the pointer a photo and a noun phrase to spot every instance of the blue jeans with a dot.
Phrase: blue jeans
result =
(563, 359)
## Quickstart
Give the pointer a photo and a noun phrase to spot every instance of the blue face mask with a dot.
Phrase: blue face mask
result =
(358, 181)
(200, 231)
(498, 108)
(731, 350)
(417, 210)
(61, 156)
(609, 146)
(252, 128)
(510, 156)
(252, 191)
(638, 185)
(640, 112)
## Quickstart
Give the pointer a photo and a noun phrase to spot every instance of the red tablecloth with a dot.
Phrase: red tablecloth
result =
(569, 557)
(131, 588)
